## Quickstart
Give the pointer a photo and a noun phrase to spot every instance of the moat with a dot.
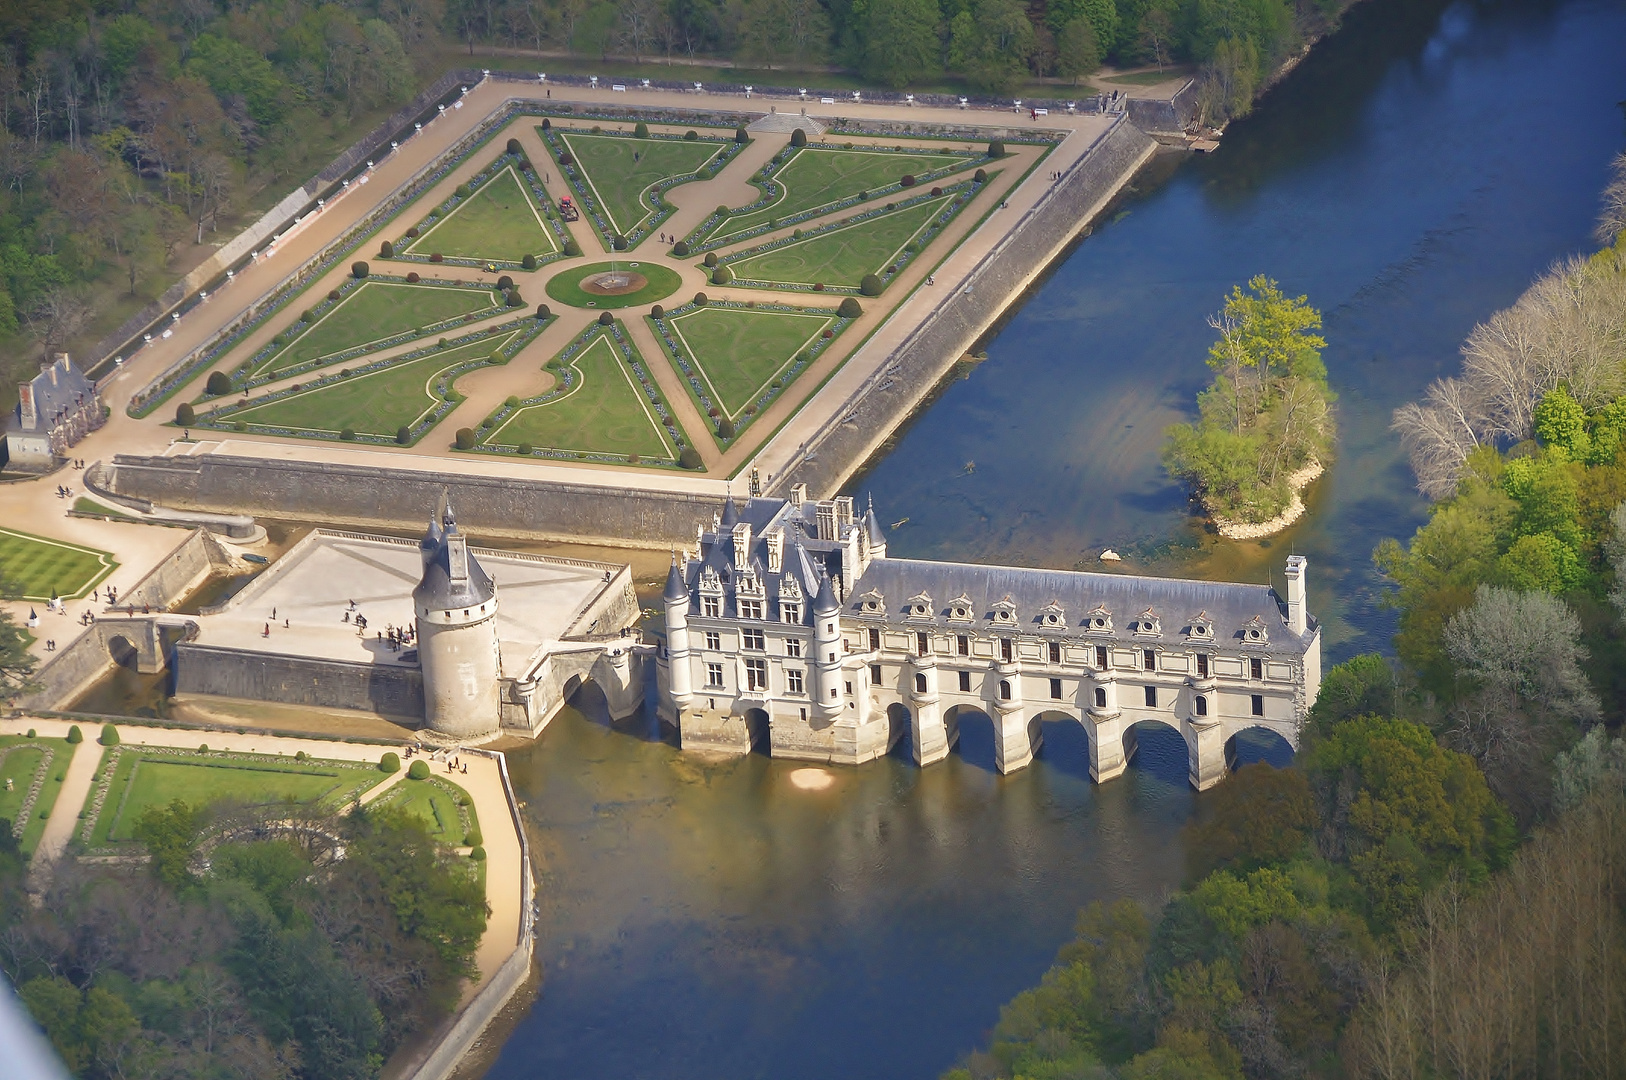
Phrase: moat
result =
(704, 920)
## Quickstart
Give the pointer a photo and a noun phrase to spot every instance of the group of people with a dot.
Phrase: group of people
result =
(63, 492)
(50, 644)
(112, 596)
(452, 763)
(399, 637)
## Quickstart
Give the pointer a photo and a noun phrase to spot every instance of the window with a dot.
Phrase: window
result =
(849, 687)
(1005, 649)
(750, 609)
(1055, 689)
(962, 646)
(793, 681)
(714, 640)
(1148, 659)
(1258, 704)
(714, 676)
(920, 682)
(756, 675)
(1151, 697)
(711, 607)
(793, 647)
(1101, 657)
(874, 640)
(1055, 652)
(965, 682)
(875, 674)
(791, 613)
(1202, 705)
(1202, 665)
(1100, 697)
(753, 640)
(922, 644)
(829, 628)
(1256, 668)
(1004, 690)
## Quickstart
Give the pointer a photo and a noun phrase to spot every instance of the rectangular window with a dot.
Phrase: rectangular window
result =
(756, 675)
(793, 680)
(711, 607)
(920, 682)
(921, 644)
(1202, 665)
(753, 639)
(791, 613)
(965, 682)
(1055, 652)
(750, 609)
(874, 640)
(1258, 704)
(714, 640)
(714, 676)
(1055, 689)
(1256, 668)
(1151, 697)
(1101, 657)
(793, 647)
(1005, 649)
(962, 646)
(1148, 659)
(849, 687)
(875, 674)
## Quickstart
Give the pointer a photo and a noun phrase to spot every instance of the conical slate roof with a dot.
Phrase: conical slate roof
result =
(676, 590)
(452, 576)
(731, 514)
(826, 603)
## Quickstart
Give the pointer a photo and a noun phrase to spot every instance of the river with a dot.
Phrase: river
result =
(711, 921)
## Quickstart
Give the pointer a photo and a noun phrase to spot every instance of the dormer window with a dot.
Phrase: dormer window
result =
(872, 603)
(961, 607)
(1201, 627)
(918, 606)
(1053, 615)
(1146, 623)
(1254, 632)
(1005, 612)
(1098, 620)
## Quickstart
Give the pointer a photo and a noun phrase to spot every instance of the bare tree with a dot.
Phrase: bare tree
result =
(1440, 433)
(1525, 647)
(57, 317)
(1612, 218)
(639, 22)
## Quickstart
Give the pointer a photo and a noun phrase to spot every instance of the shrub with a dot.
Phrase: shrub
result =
(711, 258)
(937, 191)
(419, 770)
(528, 262)
(657, 312)
(633, 458)
(691, 135)
(403, 434)
(908, 180)
(740, 136)
(870, 285)
(605, 318)
(701, 299)
(619, 243)
(442, 343)
(239, 426)
(526, 449)
(818, 286)
(436, 257)
(497, 357)
(573, 249)
(512, 401)
(413, 278)
(725, 428)
(333, 294)
(389, 763)
(722, 211)
(478, 854)
(462, 191)
(515, 299)
(203, 748)
(542, 311)
(300, 755)
(473, 838)
(565, 159)
(796, 234)
(412, 233)
(186, 415)
(465, 438)
(690, 458)
(980, 176)
(546, 124)
(348, 434)
(505, 283)
(219, 383)
(31, 733)
(863, 195)
(514, 147)
(386, 250)
(849, 309)
(75, 736)
(996, 149)
(681, 249)
(307, 316)
(722, 276)
(359, 269)
(798, 137)
(110, 735)
(640, 130)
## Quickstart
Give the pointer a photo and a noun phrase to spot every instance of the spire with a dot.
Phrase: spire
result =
(676, 590)
(447, 518)
(731, 513)
(826, 602)
(872, 527)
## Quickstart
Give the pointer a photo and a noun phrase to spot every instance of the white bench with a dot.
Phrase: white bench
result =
(620, 87)
(827, 101)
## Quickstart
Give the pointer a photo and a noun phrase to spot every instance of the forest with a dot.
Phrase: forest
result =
(1433, 887)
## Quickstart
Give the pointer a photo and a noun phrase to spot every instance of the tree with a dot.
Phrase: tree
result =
(1612, 217)
(16, 662)
(1259, 816)
(1524, 647)
(170, 833)
(990, 41)
(897, 41)
(1077, 52)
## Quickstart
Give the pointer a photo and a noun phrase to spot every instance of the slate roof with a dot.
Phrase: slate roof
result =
(59, 387)
(805, 558)
(440, 587)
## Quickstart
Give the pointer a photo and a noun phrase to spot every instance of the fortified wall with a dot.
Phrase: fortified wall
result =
(298, 680)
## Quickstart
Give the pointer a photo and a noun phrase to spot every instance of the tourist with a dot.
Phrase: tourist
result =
(267, 631)
(286, 625)
(346, 615)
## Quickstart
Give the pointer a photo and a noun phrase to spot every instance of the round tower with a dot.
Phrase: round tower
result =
(456, 608)
(827, 650)
(680, 678)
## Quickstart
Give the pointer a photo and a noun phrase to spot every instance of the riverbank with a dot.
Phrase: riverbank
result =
(1247, 530)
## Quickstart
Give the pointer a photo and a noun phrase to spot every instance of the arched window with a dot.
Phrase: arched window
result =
(1100, 697)
(1004, 690)
(920, 682)
(1202, 706)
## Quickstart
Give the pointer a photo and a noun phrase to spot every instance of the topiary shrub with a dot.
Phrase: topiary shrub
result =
(725, 428)
(547, 124)
(419, 770)
(478, 854)
(722, 276)
(573, 249)
(505, 283)
(980, 176)
(818, 286)
(307, 316)
(348, 434)
(798, 137)
(619, 243)
(219, 383)
(386, 250)
(690, 458)
(185, 414)
(403, 435)
(849, 309)
(722, 211)
(473, 838)
(32, 734)
(333, 294)
(740, 136)
(75, 736)
(515, 299)
(691, 135)
(239, 426)
(436, 257)
(110, 735)
(514, 147)
(937, 191)
(657, 312)
(526, 449)
(512, 401)
(528, 262)
(542, 311)
(701, 299)
(605, 318)
(390, 762)
(412, 233)
(413, 278)
(711, 258)
(996, 149)
(870, 285)
(640, 130)
(796, 234)
(681, 249)
(462, 191)
(358, 269)
(908, 180)
(464, 438)
(565, 159)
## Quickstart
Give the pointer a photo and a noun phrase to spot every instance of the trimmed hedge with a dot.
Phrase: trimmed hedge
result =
(390, 762)
(358, 270)
(110, 735)
(849, 309)
(464, 438)
(690, 458)
(640, 130)
(681, 249)
(185, 414)
(870, 285)
(75, 736)
(798, 137)
(605, 318)
(219, 383)
(528, 262)
(419, 770)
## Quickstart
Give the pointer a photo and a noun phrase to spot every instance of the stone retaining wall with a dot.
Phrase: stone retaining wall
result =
(180, 572)
(298, 680)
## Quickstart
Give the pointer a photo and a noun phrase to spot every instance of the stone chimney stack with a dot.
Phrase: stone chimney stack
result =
(1298, 619)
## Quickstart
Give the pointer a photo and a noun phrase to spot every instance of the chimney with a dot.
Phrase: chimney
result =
(1297, 618)
(798, 494)
(776, 551)
(742, 545)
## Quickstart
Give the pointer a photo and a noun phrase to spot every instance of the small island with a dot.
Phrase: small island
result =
(1265, 424)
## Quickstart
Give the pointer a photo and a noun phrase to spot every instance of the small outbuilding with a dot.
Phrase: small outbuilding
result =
(55, 409)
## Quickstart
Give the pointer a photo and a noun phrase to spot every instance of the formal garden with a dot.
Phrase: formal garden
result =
(31, 772)
(35, 568)
(498, 221)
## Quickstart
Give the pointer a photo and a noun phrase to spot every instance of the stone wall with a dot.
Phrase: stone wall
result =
(1164, 117)
(298, 680)
(180, 572)
(880, 406)
(73, 670)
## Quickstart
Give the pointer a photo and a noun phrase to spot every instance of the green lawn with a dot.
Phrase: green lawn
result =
(818, 176)
(842, 256)
(565, 286)
(499, 221)
(22, 761)
(739, 351)
(618, 170)
(605, 412)
(375, 403)
(377, 310)
(435, 801)
(33, 568)
(146, 778)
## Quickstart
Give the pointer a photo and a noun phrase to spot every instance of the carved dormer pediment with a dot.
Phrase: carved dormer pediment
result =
(748, 581)
(1098, 620)
(960, 608)
(1255, 632)
(709, 581)
(789, 588)
(918, 606)
(872, 603)
(1146, 624)
(1199, 628)
(1053, 616)
(1004, 612)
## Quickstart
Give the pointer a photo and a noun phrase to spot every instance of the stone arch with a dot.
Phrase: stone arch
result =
(899, 725)
(756, 727)
(1160, 748)
(123, 651)
(972, 731)
(1062, 740)
(1258, 742)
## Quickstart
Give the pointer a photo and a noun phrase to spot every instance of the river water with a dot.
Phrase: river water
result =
(712, 921)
